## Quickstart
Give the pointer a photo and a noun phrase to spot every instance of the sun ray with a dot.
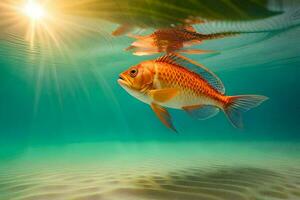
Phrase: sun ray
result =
(52, 39)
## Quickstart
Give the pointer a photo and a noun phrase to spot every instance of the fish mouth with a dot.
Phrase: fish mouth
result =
(123, 80)
(121, 77)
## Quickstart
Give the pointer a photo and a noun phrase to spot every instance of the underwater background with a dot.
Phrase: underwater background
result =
(69, 131)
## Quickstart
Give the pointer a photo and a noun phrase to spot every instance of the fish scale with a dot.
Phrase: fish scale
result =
(193, 89)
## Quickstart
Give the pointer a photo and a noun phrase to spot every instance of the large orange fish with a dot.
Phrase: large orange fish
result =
(170, 40)
(170, 81)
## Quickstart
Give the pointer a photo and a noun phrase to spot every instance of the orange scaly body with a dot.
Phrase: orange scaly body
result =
(170, 82)
(193, 89)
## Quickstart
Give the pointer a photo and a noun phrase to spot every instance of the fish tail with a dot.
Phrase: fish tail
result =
(236, 105)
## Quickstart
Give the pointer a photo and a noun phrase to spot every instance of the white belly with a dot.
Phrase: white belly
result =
(185, 98)
(177, 102)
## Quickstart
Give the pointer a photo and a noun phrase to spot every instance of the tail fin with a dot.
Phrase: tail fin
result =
(238, 104)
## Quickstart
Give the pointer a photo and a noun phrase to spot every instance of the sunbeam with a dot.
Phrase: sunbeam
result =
(47, 34)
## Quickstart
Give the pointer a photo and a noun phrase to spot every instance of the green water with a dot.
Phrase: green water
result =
(69, 131)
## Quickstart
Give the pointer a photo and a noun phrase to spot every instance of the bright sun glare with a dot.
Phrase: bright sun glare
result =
(34, 11)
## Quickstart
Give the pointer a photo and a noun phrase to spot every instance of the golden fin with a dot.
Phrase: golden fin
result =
(122, 29)
(163, 95)
(163, 115)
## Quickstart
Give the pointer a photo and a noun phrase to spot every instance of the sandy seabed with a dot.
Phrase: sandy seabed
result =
(153, 170)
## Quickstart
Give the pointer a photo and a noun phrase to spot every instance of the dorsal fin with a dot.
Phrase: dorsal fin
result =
(209, 76)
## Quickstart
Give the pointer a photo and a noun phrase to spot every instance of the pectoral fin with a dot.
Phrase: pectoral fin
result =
(163, 115)
(163, 95)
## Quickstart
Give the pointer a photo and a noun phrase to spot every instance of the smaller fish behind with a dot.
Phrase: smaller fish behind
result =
(169, 82)
(170, 40)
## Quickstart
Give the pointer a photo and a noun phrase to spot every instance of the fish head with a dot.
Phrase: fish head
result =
(138, 78)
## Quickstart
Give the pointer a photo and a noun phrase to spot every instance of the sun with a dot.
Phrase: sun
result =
(34, 11)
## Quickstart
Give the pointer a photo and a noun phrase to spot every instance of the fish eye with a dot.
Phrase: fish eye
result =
(133, 73)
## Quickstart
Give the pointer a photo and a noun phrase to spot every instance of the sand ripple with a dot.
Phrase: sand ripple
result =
(216, 183)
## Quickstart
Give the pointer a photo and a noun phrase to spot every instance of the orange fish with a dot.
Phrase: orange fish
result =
(170, 82)
(169, 40)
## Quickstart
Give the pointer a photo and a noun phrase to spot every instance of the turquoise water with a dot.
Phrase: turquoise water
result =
(69, 131)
